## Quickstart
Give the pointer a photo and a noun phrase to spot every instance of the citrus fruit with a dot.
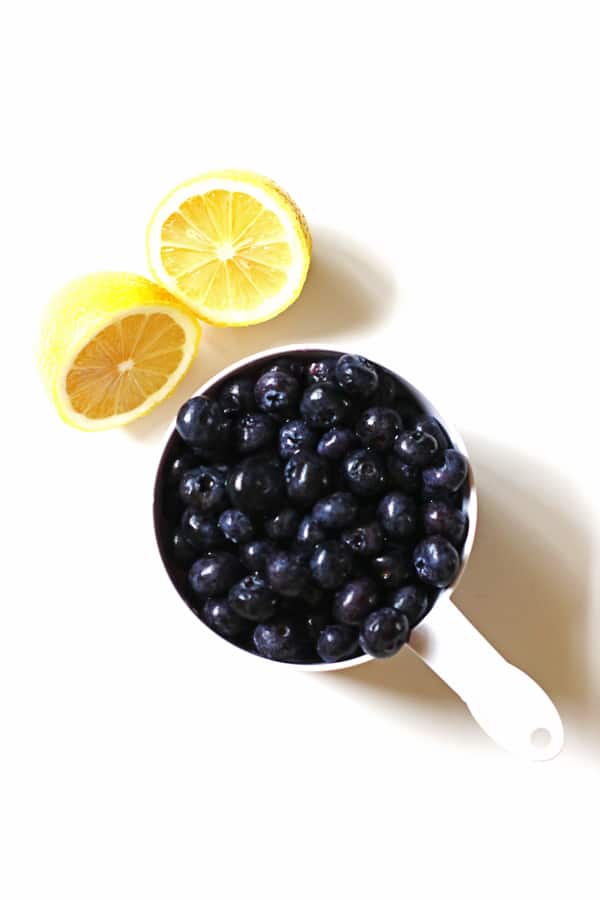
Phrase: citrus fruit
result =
(232, 245)
(112, 346)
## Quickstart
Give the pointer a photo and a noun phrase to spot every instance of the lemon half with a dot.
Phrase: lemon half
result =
(232, 245)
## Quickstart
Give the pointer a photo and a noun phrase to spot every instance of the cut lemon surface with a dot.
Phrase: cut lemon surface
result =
(113, 345)
(232, 245)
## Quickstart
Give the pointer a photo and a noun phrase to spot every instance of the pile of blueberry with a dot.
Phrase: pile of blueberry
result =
(309, 510)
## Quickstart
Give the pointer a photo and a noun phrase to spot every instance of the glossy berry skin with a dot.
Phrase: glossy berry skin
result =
(331, 564)
(277, 392)
(204, 489)
(392, 568)
(182, 463)
(436, 561)
(281, 641)
(254, 554)
(283, 526)
(398, 515)
(384, 632)
(253, 431)
(295, 435)
(289, 365)
(324, 406)
(365, 473)
(213, 575)
(201, 423)
(200, 530)
(287, 573)
(306, 478)
(403, 475)
(251, 599)
(450, 475)
(356, 375)
(236, 397)
(218, 615)
(364, 540)
(416, 447)
(378, 427)
(411, 600)
(451, 523)
(236, 526)
(256, 486)
(309, 532)
(314, 623)
(336, 443)
(337, 642)
(355, 600)
(335, 512)
(434, 428)
(389, 390)
(181, 548)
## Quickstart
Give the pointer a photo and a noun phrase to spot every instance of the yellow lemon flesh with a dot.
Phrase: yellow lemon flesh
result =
(232, 245)
(113, 345)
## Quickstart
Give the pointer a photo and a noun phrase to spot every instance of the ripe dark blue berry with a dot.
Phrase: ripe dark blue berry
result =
(355, 600)
(306, 478)
(450, 475)
(433, 427)
(277, 392)
(419, 448)
(289, 365)
(236, 526)
(403, 475)
(337, 511)
(254, 554)
(365, 473)
(324, 405)
(364, 540)
(251, 599)
(214, 574)
(204, 489)
(296, 435)
(254, 431)
(284, 642)
(218, 615)
(182, 463)
(256, 485)
(331, 564)
(411, 600)
(337, 642)
(287, 572)
(392, 568)
(356, 375)
(436, 561)
(183, 551)
(451, 523)
(200, 530)
(378, 427)
(309, 532)
(283, 525)
(237, 396)
(398, 515)
(336, 443)
(201, 423)
(315, 622)
(321, 370)
(384, 632)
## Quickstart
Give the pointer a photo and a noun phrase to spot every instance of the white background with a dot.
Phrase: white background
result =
(448, 160)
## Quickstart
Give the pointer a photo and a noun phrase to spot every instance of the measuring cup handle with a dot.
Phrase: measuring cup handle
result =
(508, 705)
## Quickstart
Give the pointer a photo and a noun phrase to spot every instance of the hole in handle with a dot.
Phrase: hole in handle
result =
(540, 738)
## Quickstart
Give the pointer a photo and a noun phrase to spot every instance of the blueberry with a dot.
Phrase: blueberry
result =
(364, 540)
(436, 561)
(236, 526)
(256, 485)
(337, 511)
(434, 428)
(337, 642)
(254, 554)
(388, 391)
(384, 632)
(440, 518)
(450, 475)
(236, 397)
(204, 489)
(321, 370)
(288, 365)
(309, 532)
(201, 423)
(214, 574)
(178, 466)
(398, 515)
(284, 642)
(287, 573)
(411, 600)
(251, 599)
(182, 550)
(315, 622)
(254, 431)
(403, 475)
(306, 478)
(283, 525)
(295, 435)
(419, 448)
(324, 405)
(355, 600)
(277, 392)
(218, 615)
(378, 427)
(200, 530)
(365, 473)
(393, 567)
(356, 375)
(336, 443)
(331, 564)
(453, 499)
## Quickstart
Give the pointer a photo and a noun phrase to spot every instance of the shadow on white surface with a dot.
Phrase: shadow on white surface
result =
(527, 588)
(347, 292)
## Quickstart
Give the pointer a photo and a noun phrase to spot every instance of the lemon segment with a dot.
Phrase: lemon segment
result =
(232, 245)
